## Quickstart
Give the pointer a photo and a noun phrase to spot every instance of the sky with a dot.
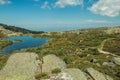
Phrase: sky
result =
(35, 14)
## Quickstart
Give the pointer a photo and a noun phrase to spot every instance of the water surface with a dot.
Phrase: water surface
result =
(27, 42)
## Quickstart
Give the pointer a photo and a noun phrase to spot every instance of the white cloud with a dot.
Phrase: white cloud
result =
(64, 3)
(46, 5)
(5, 2)
(109, 8)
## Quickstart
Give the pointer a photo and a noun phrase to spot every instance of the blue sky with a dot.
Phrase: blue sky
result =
(26, 13)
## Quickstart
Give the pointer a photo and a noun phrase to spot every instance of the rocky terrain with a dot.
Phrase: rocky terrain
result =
(87, 48)
(88, 54)
(7, 33)
(24, 66)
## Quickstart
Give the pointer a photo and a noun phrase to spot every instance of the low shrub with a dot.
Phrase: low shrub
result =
(41, 76)
(56, 70)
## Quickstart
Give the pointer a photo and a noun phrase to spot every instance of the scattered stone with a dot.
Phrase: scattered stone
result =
(88, 55)
(98, 64)
(96, 75)
(51, 62)
(110, 64)
(93, 60)
(116, 60)
(86, 61)
(108, 77)
(105, 64)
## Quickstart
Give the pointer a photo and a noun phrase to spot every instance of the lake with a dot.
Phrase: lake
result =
(26, 42)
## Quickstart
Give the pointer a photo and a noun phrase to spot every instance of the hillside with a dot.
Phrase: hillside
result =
(86, 48)
(87, 54)
(18, 29)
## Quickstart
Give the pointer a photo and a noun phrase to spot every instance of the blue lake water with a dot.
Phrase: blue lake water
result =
(27, 42)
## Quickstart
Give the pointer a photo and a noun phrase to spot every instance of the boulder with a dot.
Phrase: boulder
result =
(62, 76)
(116, 60)
(96, 75)
(76, 74)
(20, 66)
(51, 62)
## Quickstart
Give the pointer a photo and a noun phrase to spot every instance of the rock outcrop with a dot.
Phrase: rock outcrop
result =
(76, 73)
(96, 75)
(20, 66)
(51, 62)
(70, 74)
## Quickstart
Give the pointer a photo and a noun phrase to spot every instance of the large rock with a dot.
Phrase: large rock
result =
(96, 75)
(116, 60)
(76, 74)
(51, 62)
(20, 66)
(70, 74)
(62, 76)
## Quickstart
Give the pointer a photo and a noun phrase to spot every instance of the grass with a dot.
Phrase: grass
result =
(56, 71)
(3, 60)
(41, 76)
(112, 46)
(4, 43)
(78, 49)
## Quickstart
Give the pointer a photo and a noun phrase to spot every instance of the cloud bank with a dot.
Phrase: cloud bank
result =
(64, 3)
(109, 8)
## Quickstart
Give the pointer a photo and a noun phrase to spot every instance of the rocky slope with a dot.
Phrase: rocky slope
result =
(7, 33)
(24, 66)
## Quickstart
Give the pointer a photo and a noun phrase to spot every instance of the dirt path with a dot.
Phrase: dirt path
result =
(20, 66)
(100, 50)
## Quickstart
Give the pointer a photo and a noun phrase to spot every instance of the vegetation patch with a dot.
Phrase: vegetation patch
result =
(41, 76)
(4, 43)
(56, 71)
(112, 46)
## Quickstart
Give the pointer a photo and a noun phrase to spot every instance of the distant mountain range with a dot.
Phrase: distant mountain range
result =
(18, 29)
